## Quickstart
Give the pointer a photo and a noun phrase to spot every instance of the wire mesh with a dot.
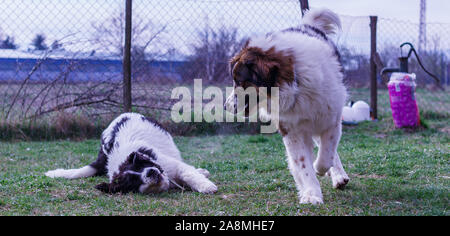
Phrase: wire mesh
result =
(66, 56)
(53, 59)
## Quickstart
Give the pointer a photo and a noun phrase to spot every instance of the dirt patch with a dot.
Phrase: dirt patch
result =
(445, 130)
(4, 207)
(230, 196)
(380, 136)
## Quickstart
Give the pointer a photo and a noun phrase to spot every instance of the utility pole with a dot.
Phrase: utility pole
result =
(127, 58)
(423, 26)
(373, 68)
(304, 4)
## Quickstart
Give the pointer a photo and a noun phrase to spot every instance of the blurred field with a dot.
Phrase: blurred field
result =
(153, 100)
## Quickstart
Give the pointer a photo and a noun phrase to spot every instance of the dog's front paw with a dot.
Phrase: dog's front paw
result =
(204, 172)
(206, 188)
(311, 200)
(311, 197)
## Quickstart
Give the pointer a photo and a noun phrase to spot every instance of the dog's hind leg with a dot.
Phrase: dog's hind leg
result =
(100, 164)
(97, 168)
(84, 172)
(338, 175)
(328, 145)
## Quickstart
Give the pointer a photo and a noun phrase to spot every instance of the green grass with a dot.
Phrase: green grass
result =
(393, 172)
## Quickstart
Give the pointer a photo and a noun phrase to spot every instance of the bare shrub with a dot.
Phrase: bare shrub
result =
(69, 123)
(356, 67)
(147, 38)
(211, 54)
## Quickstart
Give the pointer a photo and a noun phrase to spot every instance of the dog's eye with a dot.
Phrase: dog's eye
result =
(158, 167)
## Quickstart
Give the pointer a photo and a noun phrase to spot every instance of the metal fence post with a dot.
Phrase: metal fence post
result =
(304, 4)
(373, 67)
(127, 57)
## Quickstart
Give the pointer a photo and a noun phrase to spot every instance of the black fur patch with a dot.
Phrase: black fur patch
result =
(122, 183)
(316, 33)
(308, 30)
(126, 182)
(100, 163)
(147, 152)
(155, 123)
(137, 162)
(110, 145)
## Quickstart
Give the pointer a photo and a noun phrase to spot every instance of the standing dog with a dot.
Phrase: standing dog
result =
(138, 155)
(305, 65)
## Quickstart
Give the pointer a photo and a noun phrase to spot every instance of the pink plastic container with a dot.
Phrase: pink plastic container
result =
(402, 93)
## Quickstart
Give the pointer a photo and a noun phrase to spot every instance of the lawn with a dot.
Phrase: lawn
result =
(393, 172)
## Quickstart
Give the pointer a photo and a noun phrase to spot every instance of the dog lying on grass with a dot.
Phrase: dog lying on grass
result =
(139, 156)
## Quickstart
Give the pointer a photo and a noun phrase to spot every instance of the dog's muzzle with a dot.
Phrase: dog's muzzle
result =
(232, 104)
(152, 175)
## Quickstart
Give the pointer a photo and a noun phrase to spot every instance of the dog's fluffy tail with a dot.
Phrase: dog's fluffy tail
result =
(84, 172)
(323, 19)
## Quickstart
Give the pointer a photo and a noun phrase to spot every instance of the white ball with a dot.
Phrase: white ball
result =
(361, 111)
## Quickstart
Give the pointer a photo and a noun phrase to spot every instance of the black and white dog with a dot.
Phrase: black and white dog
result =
(140, 156)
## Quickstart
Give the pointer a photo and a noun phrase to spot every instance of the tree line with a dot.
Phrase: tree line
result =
(38, 43)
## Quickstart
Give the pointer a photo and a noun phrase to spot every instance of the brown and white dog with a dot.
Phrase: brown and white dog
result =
(305, 65)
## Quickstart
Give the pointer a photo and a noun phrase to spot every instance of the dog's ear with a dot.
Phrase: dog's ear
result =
(133, 158)
(104, 187)
(265, 65)
(137, 159)
(234, 61)
(273, 74)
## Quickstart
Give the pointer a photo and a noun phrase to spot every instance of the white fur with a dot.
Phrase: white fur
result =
(323, 19)
(311, 107)
(84, 172)
(135, 134)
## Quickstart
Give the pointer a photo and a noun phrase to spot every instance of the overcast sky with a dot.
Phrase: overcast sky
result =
(23, 19)
(437, 10)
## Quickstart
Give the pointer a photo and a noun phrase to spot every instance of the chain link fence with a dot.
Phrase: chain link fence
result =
(61, 61)
(55, 72)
